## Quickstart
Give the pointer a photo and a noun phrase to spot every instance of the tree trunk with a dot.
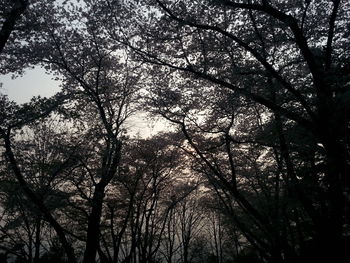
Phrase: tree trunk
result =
(93, 232)
(11, 18)
(37, 240)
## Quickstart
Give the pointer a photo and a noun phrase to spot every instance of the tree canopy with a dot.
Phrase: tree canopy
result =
(253, 167)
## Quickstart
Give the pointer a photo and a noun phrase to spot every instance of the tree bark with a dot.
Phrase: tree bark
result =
(93, 232)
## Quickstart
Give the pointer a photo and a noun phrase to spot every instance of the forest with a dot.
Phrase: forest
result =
(251, 164)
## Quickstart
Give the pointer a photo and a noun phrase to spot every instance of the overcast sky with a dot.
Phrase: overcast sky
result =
(36, 82)
(33, 83)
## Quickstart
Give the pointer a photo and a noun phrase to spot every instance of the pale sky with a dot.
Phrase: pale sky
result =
(37, 82)
(33, 83)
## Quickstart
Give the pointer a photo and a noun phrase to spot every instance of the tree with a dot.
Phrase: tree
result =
(283, 61)
(102, 86)
(45, 165)
(12, 119)
(258, 95)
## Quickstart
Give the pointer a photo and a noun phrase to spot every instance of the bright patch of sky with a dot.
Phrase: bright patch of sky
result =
(142, 126)
(34, 82)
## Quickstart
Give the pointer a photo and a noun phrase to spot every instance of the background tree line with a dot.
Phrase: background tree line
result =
(255, 165)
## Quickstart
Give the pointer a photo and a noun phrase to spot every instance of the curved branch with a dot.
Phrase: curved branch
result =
(14, 15)
(35, 199)
(261, 100)
(256, 54)
(292, 23)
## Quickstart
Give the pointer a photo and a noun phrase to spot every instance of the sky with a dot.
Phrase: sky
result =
(37, 82)
(34, 82)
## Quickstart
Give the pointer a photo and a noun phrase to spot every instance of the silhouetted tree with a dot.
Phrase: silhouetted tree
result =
(285, 65)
